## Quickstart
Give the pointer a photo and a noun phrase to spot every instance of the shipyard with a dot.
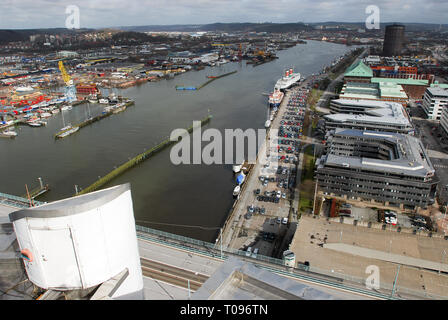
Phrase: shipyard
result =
(223, 161)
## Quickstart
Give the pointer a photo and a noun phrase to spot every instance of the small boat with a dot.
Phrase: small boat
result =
(103, 101)
(236, 191)
(240, 179)
(66, 131)
(45, 115)
(237, 167)
(34, 123)
(55, 111)
(93, 99)
(66, 108)
(10, 133)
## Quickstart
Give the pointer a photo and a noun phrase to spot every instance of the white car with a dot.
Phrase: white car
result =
(254, 254)
(285, 221)
(249, 252)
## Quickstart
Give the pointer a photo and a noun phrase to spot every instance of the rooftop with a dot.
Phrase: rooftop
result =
(376, 112)
(359, 69)
(410, 156)
(378, 90)
(399, 81)
(239, 280)
(438, 91)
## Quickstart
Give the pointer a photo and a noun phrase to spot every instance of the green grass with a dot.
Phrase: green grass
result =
(307, 184)
(313, 98)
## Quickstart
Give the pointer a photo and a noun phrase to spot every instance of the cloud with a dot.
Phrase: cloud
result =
(15, 14)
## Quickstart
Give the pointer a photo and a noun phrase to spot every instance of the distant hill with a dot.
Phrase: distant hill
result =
(408, 26)
(223, 27)
(24, 34)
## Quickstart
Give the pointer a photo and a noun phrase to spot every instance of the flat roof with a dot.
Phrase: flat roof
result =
(401, 81)
(412, 159)
(377, 112)
(438, 91)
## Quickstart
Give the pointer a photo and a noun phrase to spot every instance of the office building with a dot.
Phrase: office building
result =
(368, 115)
(434, 101)
(386, 170)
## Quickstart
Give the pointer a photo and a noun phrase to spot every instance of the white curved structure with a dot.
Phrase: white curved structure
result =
(81, 242)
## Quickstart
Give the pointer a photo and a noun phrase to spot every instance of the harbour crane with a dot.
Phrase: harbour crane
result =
(70, 90)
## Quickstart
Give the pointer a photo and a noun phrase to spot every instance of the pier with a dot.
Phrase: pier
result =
(135, 161)
(38, 191)
(206, 83)
(92, 120)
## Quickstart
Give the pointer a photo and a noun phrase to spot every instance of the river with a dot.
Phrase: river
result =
(194, 195)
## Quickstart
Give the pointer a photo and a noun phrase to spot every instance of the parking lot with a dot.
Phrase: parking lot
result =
(264, 208)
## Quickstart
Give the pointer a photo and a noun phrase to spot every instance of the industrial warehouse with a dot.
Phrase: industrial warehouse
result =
(390, 170)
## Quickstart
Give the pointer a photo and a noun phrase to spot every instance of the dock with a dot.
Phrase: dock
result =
(38, 191)
(207, 82)
(91, 120)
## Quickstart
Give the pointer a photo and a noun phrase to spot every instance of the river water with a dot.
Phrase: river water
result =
(194, 195)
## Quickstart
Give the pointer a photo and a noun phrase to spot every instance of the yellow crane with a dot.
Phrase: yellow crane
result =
(70, 90)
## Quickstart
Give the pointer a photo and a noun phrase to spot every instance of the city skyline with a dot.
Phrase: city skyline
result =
(103, 14)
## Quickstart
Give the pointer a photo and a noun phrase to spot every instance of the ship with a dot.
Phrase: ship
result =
(275, 98)
(66, 131)
(288, 80)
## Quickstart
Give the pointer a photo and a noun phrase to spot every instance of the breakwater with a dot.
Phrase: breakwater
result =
(135, 161)
(206, 83)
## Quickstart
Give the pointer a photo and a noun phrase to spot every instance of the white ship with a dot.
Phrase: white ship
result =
(288, 80)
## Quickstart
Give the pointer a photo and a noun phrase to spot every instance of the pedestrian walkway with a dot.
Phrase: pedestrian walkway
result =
(385, 256)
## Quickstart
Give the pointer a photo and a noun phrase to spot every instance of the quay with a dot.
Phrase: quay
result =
(37, 192)
(239, 232)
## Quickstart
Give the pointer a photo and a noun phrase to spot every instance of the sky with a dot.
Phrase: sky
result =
(22, 14)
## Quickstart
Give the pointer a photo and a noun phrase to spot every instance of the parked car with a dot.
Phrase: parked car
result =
(254, 254)
(285, 221)
(248, 252)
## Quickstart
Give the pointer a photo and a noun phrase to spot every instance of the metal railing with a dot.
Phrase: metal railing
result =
(17, 202)
(327, 277)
